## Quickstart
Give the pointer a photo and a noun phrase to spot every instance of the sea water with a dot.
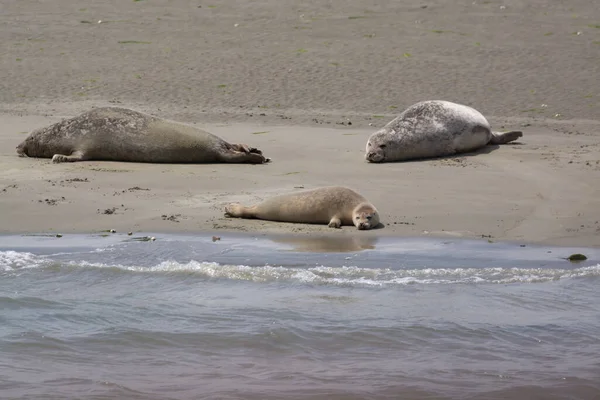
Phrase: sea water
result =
(256, 317)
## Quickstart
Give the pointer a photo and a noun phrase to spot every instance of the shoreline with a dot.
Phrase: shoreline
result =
(346, 237)
(232, 247)
(541, 189)
(308, 84)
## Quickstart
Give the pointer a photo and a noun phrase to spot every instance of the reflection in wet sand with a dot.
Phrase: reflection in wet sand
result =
(328, 243)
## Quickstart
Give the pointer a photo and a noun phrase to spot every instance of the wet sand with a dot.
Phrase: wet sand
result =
(290, 79)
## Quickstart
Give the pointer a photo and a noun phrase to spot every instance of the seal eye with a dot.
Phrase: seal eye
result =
(382, 146)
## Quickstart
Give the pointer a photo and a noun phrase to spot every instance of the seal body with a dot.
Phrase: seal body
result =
(433, 128)
(332, 205)
(120, 134)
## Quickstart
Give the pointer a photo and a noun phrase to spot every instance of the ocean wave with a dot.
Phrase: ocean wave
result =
(350, 275)
(11, 260)
(324, 275)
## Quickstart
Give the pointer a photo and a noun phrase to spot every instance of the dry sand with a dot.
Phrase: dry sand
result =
(288, 78)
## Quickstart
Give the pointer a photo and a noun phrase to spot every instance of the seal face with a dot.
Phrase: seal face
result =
(120, 134)
(433, 128)
(331, 205)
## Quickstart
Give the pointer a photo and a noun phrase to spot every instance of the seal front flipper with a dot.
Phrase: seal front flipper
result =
(505, 137)
(335, 223)
(75, 156)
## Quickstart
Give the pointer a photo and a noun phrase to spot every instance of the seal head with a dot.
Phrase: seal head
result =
(375, 151)
(365, 216)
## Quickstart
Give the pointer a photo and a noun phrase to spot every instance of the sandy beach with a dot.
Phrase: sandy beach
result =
(308, 84)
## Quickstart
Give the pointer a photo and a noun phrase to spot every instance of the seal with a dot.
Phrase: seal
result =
(120, 134)
(332, 205)
(433, 128)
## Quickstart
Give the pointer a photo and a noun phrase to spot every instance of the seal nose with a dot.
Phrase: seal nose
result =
(362, 226)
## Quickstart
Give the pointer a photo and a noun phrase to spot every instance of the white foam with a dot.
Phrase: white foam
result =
(10, 260)
(339, 276)
(352, 275)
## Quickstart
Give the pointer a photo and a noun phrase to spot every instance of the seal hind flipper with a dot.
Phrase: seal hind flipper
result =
(245, 148)
(242, 153)
(240, 157)
(236, 210)
(75, 156)
(505, 137)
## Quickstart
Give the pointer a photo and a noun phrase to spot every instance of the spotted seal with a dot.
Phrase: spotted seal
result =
(332, 205)
(121, 134)
(433, 128)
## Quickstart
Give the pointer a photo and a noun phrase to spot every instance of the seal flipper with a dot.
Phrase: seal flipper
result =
(240, 157)
(237, 210)
(335, 222)
(245, 148)
(505, 137)
(75, 156)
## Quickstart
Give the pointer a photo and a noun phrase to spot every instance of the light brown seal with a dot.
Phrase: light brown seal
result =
(433, 128)
(120, 134)
(332, 205)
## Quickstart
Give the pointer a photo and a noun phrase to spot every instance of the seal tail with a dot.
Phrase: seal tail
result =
(505, 137)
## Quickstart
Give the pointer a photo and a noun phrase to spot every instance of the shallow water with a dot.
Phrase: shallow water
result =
(247, 317)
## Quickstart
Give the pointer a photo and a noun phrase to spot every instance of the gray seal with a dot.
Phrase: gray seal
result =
(433, 128)
(332, 205)
(120, 134)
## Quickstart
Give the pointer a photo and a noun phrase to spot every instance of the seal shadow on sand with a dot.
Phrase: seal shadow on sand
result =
(483, 150)
(265, 222)
(328, 243)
